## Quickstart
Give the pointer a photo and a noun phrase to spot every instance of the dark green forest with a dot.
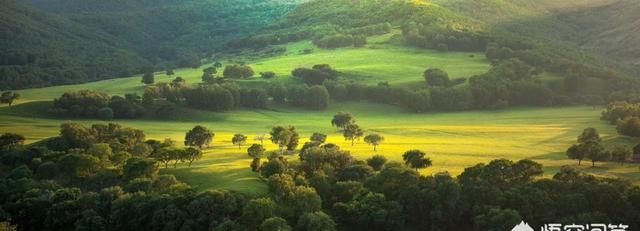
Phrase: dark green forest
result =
(62, 42)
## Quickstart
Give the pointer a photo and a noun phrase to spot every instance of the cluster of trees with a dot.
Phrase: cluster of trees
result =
(380, 195)
(375, 29)
(626, 115)
(94, 104)
(237, 71)
(87, 186)
(224, 97)
(340, 40)
(428, 36)
(589, 147)
(315, 75)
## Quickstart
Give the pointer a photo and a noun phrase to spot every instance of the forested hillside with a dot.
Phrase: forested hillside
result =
(68, 41)
(607, 29)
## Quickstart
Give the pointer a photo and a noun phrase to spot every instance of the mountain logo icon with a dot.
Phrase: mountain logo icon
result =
(523, 226)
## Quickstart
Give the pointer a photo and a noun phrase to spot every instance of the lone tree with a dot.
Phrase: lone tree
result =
(342, 119)
(416, 159)
(9, 97)
(148, 78)
(436, 77)
(198, 136)
(239, 139)
(9, 141)
(374, 140)
(352, 132)
(256, 151)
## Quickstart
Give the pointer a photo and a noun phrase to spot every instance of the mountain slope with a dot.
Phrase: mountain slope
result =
(73, 41)
(38, 49)
(607, 29)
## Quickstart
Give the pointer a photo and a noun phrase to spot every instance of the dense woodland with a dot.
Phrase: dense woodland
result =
(41, 38)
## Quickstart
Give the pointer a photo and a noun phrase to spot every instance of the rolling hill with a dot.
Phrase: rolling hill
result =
(607, 29)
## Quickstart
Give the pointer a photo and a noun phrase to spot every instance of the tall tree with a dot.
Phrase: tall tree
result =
(416, 159)
(239, 139)
(352, 132)
(199, 136)
(374, 140)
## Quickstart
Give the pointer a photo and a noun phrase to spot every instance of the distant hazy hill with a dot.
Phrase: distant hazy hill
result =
(69, 41)
(608, 29)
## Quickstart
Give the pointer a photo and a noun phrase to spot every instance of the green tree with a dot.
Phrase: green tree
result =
(318, 138)
(374, 140)
(9, 97)
(91, 221)
(316, 98)
(192, 154)
(275, 224)
(137, 167)
(237, 71)
(105, 113)
(436, 77)
(621, 153)
(258, 210)
(285, 137)
(199, 136)
(589, 135)
(377, 162)
(596, 152)
(352, 132)
(256, 164)
(416, 159)
(256, 151)
(576, 152)
(10, 141)
(101, 151)
(239, 139)
(274, 166)
(78, 165)
(342, 119)
(148, 78)
(317, 221)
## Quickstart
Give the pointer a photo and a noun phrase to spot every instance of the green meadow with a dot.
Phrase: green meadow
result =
(453, 141)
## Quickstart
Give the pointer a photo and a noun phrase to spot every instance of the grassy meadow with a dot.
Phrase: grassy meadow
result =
(453, 141)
